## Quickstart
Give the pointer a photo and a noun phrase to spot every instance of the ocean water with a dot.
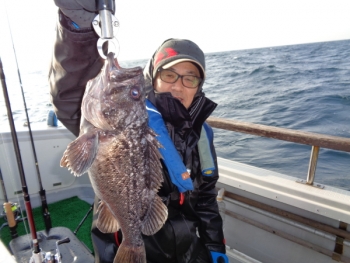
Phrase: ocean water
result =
(304, 87)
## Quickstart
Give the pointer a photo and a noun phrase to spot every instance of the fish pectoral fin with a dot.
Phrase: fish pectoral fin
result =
(156, 216)
(81, 153)
(106, 222)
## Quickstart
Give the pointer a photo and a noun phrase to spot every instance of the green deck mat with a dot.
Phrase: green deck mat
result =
(67, 213)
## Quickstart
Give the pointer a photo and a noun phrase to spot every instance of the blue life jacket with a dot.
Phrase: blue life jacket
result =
(176, 168)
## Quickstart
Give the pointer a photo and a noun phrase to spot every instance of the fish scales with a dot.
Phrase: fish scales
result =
(120, 153)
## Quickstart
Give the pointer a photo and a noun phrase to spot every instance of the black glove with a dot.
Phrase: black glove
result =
(81, 12)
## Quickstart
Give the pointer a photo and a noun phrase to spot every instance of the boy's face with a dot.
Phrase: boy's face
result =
(177, 89)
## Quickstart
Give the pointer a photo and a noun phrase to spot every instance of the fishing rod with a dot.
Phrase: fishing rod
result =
(42, 192)
(36, 248)
(10, 215)
(84, 218)
(81, 223)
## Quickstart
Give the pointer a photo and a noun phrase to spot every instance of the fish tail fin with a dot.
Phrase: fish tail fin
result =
(130, 253)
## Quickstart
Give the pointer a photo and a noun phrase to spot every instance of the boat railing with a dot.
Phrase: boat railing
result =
(316, 140)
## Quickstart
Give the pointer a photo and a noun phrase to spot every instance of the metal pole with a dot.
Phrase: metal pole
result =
(106, 9)
(312, 165)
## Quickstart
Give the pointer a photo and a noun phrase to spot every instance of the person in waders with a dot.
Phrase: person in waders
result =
(174, 78)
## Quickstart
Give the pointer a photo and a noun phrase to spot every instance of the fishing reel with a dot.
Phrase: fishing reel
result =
(49, 257)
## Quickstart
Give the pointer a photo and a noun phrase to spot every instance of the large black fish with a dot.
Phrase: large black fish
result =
(120, 153)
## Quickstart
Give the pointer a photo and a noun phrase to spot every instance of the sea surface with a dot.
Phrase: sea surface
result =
(304, 87)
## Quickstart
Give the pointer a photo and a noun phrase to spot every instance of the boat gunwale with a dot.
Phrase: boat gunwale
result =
(284, 134)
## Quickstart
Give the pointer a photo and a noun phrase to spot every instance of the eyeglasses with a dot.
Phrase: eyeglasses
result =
(169, 76)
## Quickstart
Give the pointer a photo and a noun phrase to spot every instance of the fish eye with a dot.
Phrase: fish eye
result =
(135, 93)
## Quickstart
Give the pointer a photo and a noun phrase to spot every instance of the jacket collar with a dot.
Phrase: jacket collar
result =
(184, 121)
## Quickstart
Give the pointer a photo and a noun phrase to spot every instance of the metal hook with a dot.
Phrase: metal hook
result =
(106, 27)
(113, 46)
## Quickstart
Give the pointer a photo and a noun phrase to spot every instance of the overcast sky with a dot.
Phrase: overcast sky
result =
(223, 25)
(219, 25)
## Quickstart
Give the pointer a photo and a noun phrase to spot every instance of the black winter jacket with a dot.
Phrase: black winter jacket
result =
(193, 228)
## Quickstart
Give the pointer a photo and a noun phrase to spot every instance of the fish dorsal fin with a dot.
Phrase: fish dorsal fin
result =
(155, 178)
(155, 218)
(106, 222)
(155, 211)
(81, 153)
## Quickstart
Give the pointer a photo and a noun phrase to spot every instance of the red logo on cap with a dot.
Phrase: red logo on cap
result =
(163, 54)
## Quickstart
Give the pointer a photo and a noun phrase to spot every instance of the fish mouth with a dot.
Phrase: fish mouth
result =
(112, 63)
(115, 73)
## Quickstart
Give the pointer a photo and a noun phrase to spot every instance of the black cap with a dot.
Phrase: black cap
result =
(174, 51)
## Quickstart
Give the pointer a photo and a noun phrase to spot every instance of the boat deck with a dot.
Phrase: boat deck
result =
(270, 217)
